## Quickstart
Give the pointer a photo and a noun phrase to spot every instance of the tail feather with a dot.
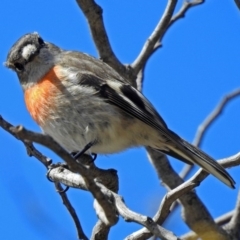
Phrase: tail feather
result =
(186, 152)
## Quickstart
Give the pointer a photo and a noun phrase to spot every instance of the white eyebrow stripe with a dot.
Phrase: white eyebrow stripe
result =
(27, 50)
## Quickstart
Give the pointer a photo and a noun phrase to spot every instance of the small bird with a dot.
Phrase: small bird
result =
(81, 101)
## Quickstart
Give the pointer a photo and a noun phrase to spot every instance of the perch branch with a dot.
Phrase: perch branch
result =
(77, 182)
(25, 135)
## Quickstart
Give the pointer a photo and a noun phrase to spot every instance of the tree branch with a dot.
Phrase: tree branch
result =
(233, 227)
(177, 192)
(32, 151)
(93, 13)
(23, 135)
(181, 13)
(222, 220)
(100, 231)
(153, 41)
(71, 210)
(73, 180)
(233, 230)
(204, 127)
(194, 212)
(225, 218)
(213, 116)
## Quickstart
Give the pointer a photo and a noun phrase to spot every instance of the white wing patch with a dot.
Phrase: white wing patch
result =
(116, 86)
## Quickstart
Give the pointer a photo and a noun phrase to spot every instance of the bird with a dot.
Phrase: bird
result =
(84, 104)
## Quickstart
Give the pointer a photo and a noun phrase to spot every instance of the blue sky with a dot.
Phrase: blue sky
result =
(185, 79)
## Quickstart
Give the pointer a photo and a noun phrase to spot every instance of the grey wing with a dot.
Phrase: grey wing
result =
(103, 80)
(88, 65)
(133, 102)
(110, 86)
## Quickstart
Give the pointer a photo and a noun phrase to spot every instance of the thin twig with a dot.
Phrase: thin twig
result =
(202, 129)
(24, 134)
(32, 151)
(177, 192)
(186, 5)
(194, 212)
(71, 210)
(152, 42)
(131, 216)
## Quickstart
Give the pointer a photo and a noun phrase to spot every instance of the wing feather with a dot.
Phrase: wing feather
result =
(127, 98)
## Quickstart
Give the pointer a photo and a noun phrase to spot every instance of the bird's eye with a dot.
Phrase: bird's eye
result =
(19, 67)
(40, 41)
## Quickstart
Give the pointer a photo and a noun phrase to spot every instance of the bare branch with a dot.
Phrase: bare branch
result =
(232, 229)
(93, 13)
(23, 134)
(177, 192)
(66, 177)
(163, 210)
(234, 225)
(220, 221)
(153, 41)
(108, 177)
(100, 231)
(225, 218)
(186, 5)
(190, 236)
(71, 210)
(213, 116)
(74, 180)
(127, 214)
(131, 216)
(194, 212)
(32, 151)
(204, 127)
(49, 142)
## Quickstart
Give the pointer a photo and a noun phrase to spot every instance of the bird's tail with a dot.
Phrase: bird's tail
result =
(186, 152)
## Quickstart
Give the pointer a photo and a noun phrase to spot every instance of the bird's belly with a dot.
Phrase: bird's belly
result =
(111, 133)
